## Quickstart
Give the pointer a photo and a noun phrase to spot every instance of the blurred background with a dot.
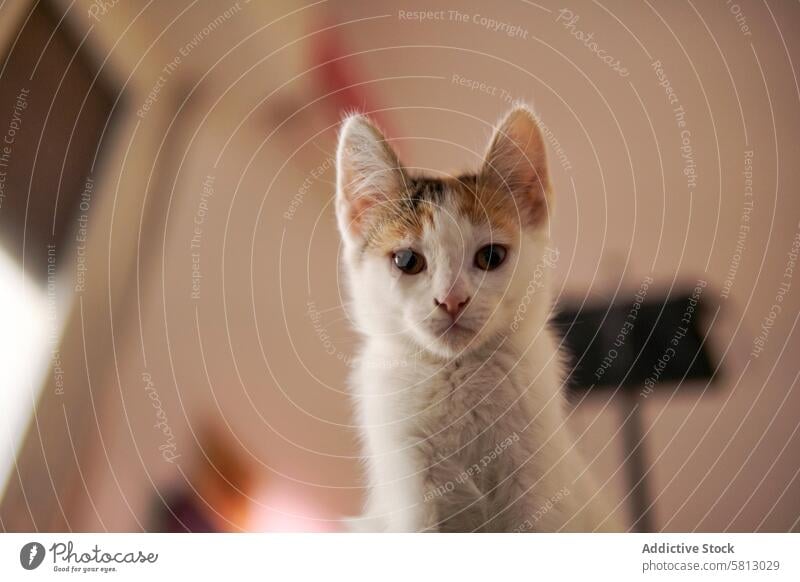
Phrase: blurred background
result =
(174, 339)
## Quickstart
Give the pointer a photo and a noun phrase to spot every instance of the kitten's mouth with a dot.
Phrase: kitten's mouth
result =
(457, 326)
(454, 331)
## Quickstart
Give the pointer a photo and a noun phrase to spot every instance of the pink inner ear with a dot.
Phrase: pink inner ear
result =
(357, 201)
(368, 173)
(537, 207)
(357, 212)
(518, 159)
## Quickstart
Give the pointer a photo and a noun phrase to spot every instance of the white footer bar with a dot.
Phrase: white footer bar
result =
(388, 557)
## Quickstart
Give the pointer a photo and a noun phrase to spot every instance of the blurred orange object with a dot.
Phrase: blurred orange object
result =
(217, 493)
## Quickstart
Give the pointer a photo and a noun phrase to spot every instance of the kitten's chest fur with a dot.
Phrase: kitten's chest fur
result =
(472, 423)
(452, 403)
(469, 401)
(472, 436)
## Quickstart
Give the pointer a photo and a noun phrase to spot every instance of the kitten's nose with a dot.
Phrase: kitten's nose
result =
(453, 304)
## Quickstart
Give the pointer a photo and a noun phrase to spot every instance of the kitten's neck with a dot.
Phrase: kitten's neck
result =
(528, 342)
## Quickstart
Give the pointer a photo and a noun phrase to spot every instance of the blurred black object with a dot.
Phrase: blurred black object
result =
(57, 105)
(183, 511)
(620, 345)
(636, 347)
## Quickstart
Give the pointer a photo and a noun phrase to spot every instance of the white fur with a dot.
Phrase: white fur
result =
(435, 407)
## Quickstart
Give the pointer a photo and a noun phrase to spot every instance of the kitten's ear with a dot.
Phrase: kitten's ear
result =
(368, 173)
(516, 164)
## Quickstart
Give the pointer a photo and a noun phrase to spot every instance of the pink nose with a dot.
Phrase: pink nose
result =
(452, 304)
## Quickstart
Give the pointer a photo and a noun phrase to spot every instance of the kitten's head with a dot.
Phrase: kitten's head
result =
(444, 263)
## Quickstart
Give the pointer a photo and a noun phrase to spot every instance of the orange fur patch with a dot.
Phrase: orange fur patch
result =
(407, 216)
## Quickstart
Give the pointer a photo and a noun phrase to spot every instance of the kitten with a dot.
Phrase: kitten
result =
(459, 398)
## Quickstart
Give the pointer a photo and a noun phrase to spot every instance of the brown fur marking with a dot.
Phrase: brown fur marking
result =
(406, 216)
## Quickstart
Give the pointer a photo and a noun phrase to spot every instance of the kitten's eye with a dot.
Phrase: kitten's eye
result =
(408, 261)
(490, 257)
